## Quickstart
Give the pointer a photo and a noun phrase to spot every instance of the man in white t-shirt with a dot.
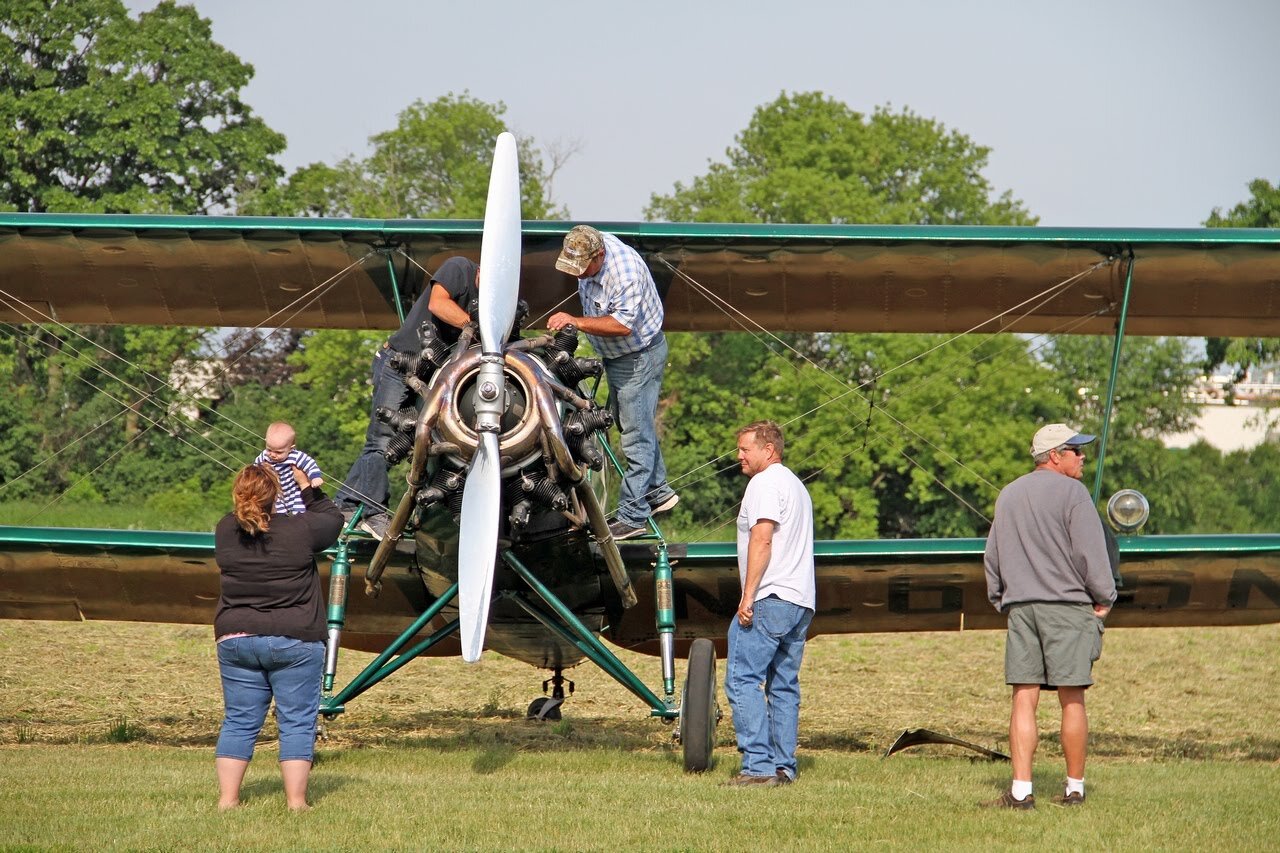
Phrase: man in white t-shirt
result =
(767, 635)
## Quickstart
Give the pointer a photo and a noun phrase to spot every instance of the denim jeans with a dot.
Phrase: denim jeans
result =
(367, 480)
(635, 382)
(762, 681)
(255, 669)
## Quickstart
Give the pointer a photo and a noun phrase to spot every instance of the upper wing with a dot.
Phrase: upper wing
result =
(347, 273)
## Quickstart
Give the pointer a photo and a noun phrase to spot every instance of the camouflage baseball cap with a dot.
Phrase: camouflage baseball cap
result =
(581, 244)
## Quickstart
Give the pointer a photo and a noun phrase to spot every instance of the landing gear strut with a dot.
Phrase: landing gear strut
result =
(548, 707)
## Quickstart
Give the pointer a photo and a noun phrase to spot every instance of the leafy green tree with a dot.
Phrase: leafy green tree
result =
(314, 190)
(103, 425)
(100, 112)
(809, 158)
(1253, 477)
(1261, 210)
(1151, 384)
(886, 444)
(434, 164)
(877, 470)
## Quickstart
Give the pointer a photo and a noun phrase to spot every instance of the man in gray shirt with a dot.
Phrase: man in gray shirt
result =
(1048, 570)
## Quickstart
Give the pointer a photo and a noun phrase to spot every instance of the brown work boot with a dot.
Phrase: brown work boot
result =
(1074, 798)
(1007, 801)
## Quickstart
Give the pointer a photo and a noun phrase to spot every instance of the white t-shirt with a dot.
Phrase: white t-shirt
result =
(778, 495)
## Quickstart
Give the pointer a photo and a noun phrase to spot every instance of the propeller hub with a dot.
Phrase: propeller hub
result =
(490, 385)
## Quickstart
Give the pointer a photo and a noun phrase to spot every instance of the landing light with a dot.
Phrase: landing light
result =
(1128, 510)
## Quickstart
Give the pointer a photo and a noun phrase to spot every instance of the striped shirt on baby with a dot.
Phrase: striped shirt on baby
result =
(290, 500)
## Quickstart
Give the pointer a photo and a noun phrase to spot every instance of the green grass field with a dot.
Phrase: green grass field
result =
(107, 729)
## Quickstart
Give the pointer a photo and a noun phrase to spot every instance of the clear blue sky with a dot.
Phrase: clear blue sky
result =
(1098, 112)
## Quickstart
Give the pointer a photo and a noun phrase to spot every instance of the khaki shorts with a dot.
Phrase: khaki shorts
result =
(1052, 644)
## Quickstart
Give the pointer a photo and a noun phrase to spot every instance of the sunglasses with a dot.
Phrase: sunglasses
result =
(1077, 451)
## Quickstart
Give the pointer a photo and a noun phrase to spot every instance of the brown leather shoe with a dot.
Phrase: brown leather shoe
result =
(1075, 798)
(782, 777)
(742, 780)
(1007, 801)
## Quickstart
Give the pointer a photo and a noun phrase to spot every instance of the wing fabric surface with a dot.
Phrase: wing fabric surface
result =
(347, 273)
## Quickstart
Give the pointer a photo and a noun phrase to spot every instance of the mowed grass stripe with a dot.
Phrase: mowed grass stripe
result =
(1186, 752)
(145, 797)
(1161, 693)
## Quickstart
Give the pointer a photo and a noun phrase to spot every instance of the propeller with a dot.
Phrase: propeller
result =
(482, 493)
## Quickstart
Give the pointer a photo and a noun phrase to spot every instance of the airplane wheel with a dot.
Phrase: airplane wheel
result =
(535, 711)
(698, 708)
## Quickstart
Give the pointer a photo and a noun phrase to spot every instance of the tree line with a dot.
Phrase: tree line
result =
(99, 112)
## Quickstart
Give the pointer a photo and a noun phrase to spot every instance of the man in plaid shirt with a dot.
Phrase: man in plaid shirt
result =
(622, 317)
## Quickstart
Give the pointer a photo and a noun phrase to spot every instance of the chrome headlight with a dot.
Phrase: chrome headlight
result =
(1128, 510)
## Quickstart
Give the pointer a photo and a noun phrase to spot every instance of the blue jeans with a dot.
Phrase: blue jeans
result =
(762, 681)
(367, 480)
(256, 668)
(635, 382)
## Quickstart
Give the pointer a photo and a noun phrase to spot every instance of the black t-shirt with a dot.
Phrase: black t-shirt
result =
(458, 277)
(270, 584)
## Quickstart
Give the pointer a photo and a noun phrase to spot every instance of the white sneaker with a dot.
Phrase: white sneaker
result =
(375, 525)
(665, 504)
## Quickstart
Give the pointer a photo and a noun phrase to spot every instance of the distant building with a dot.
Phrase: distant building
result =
(1237, 416)
(197, 383)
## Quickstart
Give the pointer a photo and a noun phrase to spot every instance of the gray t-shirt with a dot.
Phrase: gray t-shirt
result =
(1047, 544)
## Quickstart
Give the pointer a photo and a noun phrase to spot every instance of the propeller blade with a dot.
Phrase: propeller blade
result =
(500, 248)
(482, 493)
(478, 544)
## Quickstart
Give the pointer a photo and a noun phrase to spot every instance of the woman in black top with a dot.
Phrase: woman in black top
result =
(270, 627)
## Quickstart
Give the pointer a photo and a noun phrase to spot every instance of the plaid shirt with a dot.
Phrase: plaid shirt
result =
(290, 500)
(624, 290)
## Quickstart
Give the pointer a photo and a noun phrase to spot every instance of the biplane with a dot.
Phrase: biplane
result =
(500, 542)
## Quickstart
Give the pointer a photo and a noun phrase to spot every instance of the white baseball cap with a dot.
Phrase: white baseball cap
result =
(1056, 435)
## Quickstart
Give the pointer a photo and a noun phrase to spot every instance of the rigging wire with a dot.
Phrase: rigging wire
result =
(746, 321)
(723, 519)
(288, 312)
(79, 356)
(302, 302)
(1031, 304)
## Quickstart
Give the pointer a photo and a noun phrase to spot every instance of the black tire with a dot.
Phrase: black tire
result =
(698, 714)
(535, 710)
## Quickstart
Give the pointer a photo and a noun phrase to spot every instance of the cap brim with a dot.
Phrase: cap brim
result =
(570, 266)
(1081, 438)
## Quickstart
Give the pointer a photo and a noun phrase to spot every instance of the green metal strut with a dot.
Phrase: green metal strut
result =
(339, 573)
(570, 628)
(382, 666)
(665, 619)
(664, 613)
(655, 530)
(1111, 384)
(395, 290)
